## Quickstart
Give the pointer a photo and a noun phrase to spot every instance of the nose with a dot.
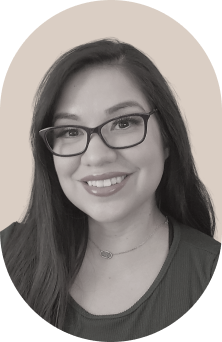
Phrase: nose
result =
(98, 152)
(96, 142)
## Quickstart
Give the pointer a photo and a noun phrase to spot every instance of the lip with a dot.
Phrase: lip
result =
(107, 190)
(104, 176)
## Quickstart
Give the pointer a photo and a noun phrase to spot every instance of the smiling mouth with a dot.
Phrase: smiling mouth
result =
(111, 184)
(106, 182)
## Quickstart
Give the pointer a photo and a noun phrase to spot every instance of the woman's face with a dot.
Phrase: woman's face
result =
(90, 98)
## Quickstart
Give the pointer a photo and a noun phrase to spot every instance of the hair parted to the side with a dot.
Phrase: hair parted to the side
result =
(44, 255)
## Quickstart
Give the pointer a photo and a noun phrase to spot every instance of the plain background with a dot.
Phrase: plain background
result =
(173, 49)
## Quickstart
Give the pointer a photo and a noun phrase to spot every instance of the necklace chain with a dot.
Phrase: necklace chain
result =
(108, 255)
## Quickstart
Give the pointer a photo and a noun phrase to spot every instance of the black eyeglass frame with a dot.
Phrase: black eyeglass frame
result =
(145, 116)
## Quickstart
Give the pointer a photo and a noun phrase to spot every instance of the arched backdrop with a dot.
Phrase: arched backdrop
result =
(173, 49)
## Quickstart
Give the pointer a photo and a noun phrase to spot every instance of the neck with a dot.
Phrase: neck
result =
(125, 233)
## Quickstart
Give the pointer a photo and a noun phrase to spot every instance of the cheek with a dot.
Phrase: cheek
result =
(150, 160)
(148, 155)
(66, 167)
(154, 154)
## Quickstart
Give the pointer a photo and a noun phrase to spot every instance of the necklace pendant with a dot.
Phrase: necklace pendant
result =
(106, 254)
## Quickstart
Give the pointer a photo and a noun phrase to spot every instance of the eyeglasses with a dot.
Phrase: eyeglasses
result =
(121, 132)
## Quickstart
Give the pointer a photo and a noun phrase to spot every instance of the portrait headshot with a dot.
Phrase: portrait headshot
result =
(111, 228)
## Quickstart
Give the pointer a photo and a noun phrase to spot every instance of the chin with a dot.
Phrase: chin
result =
(106, 214)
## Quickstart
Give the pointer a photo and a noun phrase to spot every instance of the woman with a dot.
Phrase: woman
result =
(117, 242)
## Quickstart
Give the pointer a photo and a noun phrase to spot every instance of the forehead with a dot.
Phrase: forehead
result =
(95, 89)
(100, 77)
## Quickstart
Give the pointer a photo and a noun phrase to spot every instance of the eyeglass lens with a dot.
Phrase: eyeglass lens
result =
(121, 132)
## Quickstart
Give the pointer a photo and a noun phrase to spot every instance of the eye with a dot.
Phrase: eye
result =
(126, 123)
(68, 132)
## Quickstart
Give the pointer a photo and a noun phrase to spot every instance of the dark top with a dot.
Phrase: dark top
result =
(184, 276)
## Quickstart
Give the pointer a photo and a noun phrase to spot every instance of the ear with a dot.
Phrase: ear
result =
(166, 152)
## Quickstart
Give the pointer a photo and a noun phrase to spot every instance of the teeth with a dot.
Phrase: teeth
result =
(106, 182)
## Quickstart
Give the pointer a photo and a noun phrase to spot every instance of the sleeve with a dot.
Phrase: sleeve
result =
(208, 325)
(16, 323)
(205, 319)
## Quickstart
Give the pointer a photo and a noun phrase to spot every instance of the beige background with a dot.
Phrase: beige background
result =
(175, 52)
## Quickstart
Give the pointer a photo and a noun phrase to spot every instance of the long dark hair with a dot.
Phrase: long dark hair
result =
(44, 253)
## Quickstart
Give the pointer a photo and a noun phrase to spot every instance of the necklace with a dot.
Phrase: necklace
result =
(109, 255)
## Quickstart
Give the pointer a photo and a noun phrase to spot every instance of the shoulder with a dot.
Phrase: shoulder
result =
(197, 249)
(198, 240)
(6, 233)
(192, 260)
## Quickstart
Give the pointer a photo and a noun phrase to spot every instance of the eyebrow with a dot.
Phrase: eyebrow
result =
(111, 110)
